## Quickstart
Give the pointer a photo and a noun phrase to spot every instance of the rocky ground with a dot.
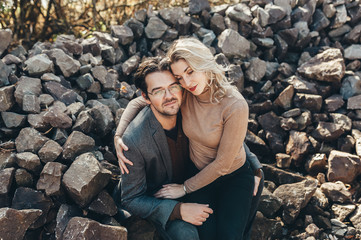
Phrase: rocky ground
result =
(296, 62)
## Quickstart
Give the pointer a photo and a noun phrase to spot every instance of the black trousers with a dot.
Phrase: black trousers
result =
(230, 197)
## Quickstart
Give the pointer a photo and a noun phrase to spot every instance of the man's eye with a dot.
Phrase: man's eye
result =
(158, 92)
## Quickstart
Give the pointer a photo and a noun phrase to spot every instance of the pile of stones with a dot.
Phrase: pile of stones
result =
(296, 62)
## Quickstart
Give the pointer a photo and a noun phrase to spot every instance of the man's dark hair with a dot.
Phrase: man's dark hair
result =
(149, 65)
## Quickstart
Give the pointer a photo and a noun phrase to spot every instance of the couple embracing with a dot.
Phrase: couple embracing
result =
(181, 149)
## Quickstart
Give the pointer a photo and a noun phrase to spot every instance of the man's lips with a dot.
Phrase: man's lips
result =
(192, 88)
(170, 103)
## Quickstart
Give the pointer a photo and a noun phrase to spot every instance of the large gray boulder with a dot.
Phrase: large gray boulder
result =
(6, 36)
(29, 140)
(38, 65)
(85, 178)
(67, 65)
(76, 144)
(232, 44)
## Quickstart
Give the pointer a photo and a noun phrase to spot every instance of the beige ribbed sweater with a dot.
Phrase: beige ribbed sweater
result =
(216, 132)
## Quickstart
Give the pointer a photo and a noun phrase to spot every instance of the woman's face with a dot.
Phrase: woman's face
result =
(194, 82)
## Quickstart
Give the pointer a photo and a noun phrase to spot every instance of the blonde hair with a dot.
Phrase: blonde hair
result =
(200, 59)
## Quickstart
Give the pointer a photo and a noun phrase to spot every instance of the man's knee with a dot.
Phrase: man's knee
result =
(179, 230)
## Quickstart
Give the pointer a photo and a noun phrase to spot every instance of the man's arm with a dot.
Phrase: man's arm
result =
(252, 158)
(134, 187)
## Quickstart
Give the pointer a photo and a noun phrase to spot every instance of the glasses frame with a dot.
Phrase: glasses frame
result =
(163, 90)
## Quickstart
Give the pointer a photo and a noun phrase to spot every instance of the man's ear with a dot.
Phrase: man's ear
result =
(146, 98)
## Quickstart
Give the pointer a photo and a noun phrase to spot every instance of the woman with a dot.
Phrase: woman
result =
(214, 118)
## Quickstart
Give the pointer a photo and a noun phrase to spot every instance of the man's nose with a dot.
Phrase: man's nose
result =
(167, 93)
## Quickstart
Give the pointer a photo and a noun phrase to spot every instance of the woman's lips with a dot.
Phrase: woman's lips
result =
(192, 88)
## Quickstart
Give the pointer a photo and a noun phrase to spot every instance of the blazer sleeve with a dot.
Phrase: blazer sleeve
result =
(252, 158)
(134, 196)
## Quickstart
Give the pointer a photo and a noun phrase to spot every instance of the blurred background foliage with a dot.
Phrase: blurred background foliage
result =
(41, 20)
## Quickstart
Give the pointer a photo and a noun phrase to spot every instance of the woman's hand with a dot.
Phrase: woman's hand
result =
(171, 191)
(119, 147)
(257, 180)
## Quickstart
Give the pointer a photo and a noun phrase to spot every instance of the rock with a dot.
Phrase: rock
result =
(88, 59)
(340, 18)
(4, 74)
(37, 122)
(334, 102)
(330, 61)
(239, 13)
(295, 197)
(6, 180)
(61, 93)
(13, 120)
(302, 86)
(29, 161)
(155, 28)
(50, 151)
(284, 99)
(85, 81)
(235, 75)
(357, 136)
(29, 140)
(343, 121)
(339, 32)
(283, 160)
(320, 21)
(316, 163)
(264, 228)
(6, 36)
(256, 70)
(57, 118)
(343, 166)
(336, 192)
(351, 86)
(197, 6)
(136, 26)
(170, 16)
(11, 59)
(84, 228)
(298, 147)
(311, 102)
(27, 86)
(354, 35)
(327, 131)
(183, 27)
(131, 64)
(106, 38)
(7, 98)
(84, 122)
(342, 211)
(76, 144)
(355, 218)
(22, 218)
(67, 65)
(353, 52)
(104, 204)
(269, 204)
(232, 44)
(319, 199)
(27, 198)
(276, 13)
(65, 213)
(7, 160)
(85, 178)
(50, 179)
(217, 23)
(38, 65)
(354, 102)
(74, 109)
(91, 45)
(50, 77)
(23, 178)
(123, 33)
(31, 103)
(279, 176)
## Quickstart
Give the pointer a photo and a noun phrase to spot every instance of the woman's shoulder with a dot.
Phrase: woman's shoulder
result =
(234, 97)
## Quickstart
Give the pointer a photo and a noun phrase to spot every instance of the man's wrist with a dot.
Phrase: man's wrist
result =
(258, 172)
(184, 188)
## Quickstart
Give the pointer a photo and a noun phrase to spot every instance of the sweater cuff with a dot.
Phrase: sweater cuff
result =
(175, 213)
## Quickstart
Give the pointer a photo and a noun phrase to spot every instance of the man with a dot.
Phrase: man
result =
(159, 152)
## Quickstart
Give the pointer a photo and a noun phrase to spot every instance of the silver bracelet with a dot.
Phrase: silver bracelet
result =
(184, 188)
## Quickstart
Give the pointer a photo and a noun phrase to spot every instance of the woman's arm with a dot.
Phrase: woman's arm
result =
(131, 111)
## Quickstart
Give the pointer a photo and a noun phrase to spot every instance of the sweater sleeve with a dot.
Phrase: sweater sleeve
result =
(235, 121)
(131, 111)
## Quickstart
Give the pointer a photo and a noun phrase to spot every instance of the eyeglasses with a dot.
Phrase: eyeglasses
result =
(173, 89)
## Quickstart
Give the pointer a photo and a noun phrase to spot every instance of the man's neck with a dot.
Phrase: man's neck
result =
(168, 122)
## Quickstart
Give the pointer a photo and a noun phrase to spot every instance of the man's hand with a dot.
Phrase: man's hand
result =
(195, 213)
(171, 191)
(119, 147)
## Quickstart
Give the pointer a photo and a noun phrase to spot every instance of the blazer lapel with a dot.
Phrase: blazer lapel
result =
(160, 140)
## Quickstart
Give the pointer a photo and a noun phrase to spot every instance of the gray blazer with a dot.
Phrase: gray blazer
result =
(152, 167)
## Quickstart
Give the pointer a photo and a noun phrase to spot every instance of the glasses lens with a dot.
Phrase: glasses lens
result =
(159, 93)
(175, 88)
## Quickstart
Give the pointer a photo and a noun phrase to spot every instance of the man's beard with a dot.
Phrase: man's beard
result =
(169, 112)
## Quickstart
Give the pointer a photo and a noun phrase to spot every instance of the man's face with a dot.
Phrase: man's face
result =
(164, 93)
